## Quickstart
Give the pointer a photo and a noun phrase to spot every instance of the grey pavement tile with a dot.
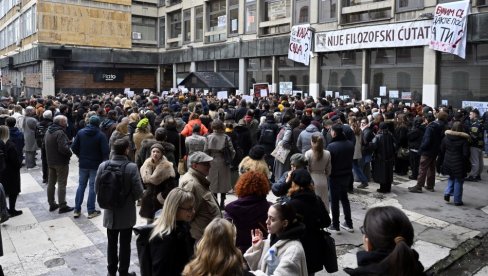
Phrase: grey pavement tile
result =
(86, 261)
(441, 238)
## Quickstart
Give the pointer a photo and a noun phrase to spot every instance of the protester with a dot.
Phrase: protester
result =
(387, 240)
(249, 211)
(119, 221)
(255, 161)
(41, 129)
(284, 238)
(158, 176)
(171, 244)
(383, 158)
(319, 166)
(10, 177)
(216, 253)
(29, 127)
(476, 133)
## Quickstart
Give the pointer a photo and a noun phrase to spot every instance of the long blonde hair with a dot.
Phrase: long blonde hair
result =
(167, 221)
(216, 253)
(4, 133)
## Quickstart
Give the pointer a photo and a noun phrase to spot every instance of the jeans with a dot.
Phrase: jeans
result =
(85, 175)
(57, 174)
(358, 171)
(122, 259)
(338, 192)
(455, 187)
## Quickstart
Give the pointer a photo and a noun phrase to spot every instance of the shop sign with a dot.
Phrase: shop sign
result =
(108, 76)
(415, 33)
(300, 44)
(449, 28)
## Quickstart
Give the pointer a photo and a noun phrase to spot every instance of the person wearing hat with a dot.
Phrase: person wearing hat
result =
(158, 175)
(195, 181)
(143, 131)
(314, 215)
(383, 146)
(255, 162)
(91, 147)
(341, 152)
(280, 187)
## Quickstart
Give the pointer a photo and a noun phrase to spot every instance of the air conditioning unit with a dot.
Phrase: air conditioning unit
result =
(136, 36)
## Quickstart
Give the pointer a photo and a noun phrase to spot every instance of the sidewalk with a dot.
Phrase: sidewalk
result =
(40, 242)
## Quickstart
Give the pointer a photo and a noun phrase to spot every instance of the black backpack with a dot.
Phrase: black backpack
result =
(110, 186)
(268, 136)
(39, 134)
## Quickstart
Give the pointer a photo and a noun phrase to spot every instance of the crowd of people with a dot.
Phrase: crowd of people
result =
(180, 151)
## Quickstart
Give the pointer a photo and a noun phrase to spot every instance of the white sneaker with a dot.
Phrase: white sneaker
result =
(347, 228)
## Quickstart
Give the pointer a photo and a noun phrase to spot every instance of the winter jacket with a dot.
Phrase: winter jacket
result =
(414, 137)
(17, 138)
(303, 142)
(341, 152)
(455, 149)
(56, 142)
(125, 216)
(187, 131)
(206, 206)
(383, 157)
(248, 213)
(476, 132)
(10, 177)
(29, 127)
(289, 250)
(91, 147)
(430, 144)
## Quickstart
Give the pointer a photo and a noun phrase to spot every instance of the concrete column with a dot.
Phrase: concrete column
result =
(275, 76)
(314, 11)
(430, 87)
(193, 67)
(47, 77)
(365, 75)
(314, 67)
(158, 80)
(175, 85)
(243, 77)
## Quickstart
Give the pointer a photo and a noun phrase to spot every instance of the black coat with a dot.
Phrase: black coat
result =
(170, 254)
(369, 264)
(414, 137)
(315, 217)
(455, 149)
(341, 152)
(383, 157)
(434, 133)
(10, 177)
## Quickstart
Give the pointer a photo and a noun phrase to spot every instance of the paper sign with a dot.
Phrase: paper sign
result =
(222, 21)
(286, 87)
(222, 95)
(382, 91)
(481, 106)
(264, 93)
(234, 25)
(328, 93)
(300, 44)
(337, 94)
(297, 92)
(146, 90)
(445, 102)
(164, 93)
(394, 94)
(248, 98)
(126, 90)
(130, 94)
(406, 95)
(378, 101)
(238, 92)
(205, 91)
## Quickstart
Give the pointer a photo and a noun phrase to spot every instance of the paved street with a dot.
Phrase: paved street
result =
(43, 243)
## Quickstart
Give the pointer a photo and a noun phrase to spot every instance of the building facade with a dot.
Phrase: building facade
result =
(78, 46)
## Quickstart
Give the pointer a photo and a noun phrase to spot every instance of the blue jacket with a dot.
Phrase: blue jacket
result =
(91, 147)
(431, 142)
(17, 137)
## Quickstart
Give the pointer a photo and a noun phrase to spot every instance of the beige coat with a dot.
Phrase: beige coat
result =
(138, 137)
(219, 176)
(155, 174)
(320, 171)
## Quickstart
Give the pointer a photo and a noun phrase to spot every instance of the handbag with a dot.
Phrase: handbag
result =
(227, 153)
(280, 153)
(403, 153)
(181, 162)
(329, 253)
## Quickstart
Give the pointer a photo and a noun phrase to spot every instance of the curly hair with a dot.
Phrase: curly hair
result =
(252, 183)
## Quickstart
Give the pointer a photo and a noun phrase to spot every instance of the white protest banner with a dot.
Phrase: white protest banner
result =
(415, 33)
(300, 44)
(222, 95)
(238, 92)
(130, 94)
(449, 28)
(264, 93)
(337, 94)
(205, 91)
(406, 95)
(297, 92)
(481, 106)
(126, 90)
(328, 93)
(382, 91)
(248, 98)
(394, 94)
(286, 87)
(444, 102)
(164, 93)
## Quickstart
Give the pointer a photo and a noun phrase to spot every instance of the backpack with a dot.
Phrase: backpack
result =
(268, 136)
(39, 134)
(110, 186)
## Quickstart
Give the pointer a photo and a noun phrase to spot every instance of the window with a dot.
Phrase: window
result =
(174, 24)
(365, 16)
(297, 73)
(481, 3)
(301, 11)
(278, 29)
(162, 31)
(187, 25)
(173, 2)
(250, 16)
(146, 26)
(233, 16)
(341, 72)
(199, 23)
(259, 71)
(349, 3)
(327, 10)
(229, 68)
(205, 66)
(217, 20)
(409, 5)
(276, 9)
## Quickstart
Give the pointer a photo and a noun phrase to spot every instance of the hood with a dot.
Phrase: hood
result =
(90, 130)
(312, 128)
(54, 127)
(456, 134)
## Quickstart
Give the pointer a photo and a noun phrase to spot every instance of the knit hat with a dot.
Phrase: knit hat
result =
(301, 177)
(298, 160)
(143, 123)
(257, 152)
(94, 120)
(157, 146)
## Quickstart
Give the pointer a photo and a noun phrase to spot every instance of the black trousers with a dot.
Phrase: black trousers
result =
(122, 259)
(45, 168)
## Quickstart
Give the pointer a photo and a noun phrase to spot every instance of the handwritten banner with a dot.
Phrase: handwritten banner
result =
(300, 44)
(449, 28)
(415, 33)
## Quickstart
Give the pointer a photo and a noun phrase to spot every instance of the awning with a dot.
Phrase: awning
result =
(206, 80)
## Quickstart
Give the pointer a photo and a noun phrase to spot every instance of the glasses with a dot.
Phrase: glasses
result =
(362, 230)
